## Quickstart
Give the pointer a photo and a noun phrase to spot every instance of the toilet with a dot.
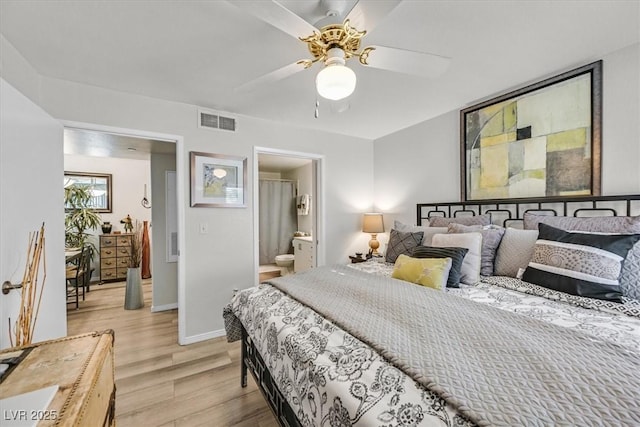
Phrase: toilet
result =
(285, 261)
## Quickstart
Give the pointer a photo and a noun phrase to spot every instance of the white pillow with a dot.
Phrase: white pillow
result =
(471, 263)
(428, 232)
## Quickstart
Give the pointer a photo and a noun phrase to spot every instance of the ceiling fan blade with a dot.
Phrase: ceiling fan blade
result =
(407, 61)
(365, 15)
(275, 14)
(274, 76)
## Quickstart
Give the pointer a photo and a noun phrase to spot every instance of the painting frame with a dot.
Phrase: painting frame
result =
(218, 180)
(475, 187)
(102, 202)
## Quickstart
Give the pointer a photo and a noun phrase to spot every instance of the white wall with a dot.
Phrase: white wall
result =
(18, 72)
(165, 274)
(218, 262)
(31, 176)
(422, 163)
(127, 189)
(304, 176)
(621, 122)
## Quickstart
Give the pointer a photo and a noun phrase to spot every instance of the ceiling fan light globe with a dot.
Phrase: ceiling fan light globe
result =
(335, 82)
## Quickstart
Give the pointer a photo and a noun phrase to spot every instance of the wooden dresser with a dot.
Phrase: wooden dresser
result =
(115, 253)
(81, 366)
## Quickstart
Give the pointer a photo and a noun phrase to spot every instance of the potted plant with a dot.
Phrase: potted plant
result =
(134, 297)
(80, 216)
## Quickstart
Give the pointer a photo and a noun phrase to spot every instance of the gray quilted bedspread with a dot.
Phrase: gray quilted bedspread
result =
(495, 367)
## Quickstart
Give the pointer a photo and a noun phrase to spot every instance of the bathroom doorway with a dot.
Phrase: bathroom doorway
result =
(286, 212)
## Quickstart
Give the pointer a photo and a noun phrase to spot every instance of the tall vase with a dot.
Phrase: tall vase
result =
(133, 298)
(146, 251)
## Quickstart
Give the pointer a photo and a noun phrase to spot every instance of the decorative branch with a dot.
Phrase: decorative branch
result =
(136, 246)
(32, 289)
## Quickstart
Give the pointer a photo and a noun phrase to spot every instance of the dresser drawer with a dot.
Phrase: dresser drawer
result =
(121, 272)
(123, 251)
(108, 263)
(108, 252)
(123, 241)
(108, 273)
(122, 262)
(107, 241)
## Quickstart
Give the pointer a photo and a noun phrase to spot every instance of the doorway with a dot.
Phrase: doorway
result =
(156, 155)
(288, 222)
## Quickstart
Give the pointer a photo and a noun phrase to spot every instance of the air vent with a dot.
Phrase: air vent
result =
(213, 120)
(208, 120)
(227, 123)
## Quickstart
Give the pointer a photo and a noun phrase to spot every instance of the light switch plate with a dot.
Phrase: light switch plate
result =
(204, 228)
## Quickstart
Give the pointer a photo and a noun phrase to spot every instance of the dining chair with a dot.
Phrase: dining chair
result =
(88, 270)
(75, 273)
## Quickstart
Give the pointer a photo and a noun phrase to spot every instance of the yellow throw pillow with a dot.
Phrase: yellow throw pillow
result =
(430, 272)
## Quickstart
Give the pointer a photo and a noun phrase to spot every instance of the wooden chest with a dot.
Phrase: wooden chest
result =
(115, 254)
(81, 366)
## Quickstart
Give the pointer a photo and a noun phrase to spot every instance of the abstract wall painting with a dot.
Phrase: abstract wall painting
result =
(218, 180)
(541, 141)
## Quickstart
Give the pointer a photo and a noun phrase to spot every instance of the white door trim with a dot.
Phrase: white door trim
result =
(319, 229)
(180, 178)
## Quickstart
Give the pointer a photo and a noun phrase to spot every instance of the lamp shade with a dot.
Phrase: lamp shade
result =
(335, 82)
(372, 223)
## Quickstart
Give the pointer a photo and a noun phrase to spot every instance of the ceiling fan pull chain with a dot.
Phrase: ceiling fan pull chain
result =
(317, 113)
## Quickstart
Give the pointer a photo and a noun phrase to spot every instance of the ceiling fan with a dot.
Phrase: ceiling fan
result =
(335, 43)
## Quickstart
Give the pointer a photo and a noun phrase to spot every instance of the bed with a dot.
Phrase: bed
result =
(349, 345)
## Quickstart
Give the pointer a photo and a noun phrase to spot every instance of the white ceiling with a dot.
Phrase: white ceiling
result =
(280, 163)
(83, 142)
(197, 52)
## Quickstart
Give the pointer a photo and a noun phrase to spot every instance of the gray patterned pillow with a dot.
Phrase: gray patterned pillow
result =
(630, 276)
(583, 264)
(491, 237)
(440, 221)
(515, 251)
(401, 243)
(601, 224)
(429, 232)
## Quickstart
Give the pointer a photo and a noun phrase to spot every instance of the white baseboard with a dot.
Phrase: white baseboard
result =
(203, 337)
(165, 307)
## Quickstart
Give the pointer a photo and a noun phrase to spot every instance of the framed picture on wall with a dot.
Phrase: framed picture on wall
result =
(541, 141)
(218, 180)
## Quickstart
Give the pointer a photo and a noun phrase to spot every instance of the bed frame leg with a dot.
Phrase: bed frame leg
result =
(243, 361)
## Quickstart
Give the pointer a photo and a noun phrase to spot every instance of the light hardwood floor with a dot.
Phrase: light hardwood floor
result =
(160, 383)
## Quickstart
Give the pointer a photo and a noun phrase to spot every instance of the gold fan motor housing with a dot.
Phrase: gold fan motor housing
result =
(341, 36)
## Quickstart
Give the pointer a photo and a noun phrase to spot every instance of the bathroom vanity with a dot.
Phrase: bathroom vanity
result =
(303, 253)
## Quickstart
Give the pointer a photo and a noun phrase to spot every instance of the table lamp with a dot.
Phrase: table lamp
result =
(372, 223)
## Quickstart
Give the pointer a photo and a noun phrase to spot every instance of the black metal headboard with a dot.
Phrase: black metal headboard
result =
(511, 212)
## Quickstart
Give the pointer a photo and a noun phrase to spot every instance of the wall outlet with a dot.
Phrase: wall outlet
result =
(204, 228)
